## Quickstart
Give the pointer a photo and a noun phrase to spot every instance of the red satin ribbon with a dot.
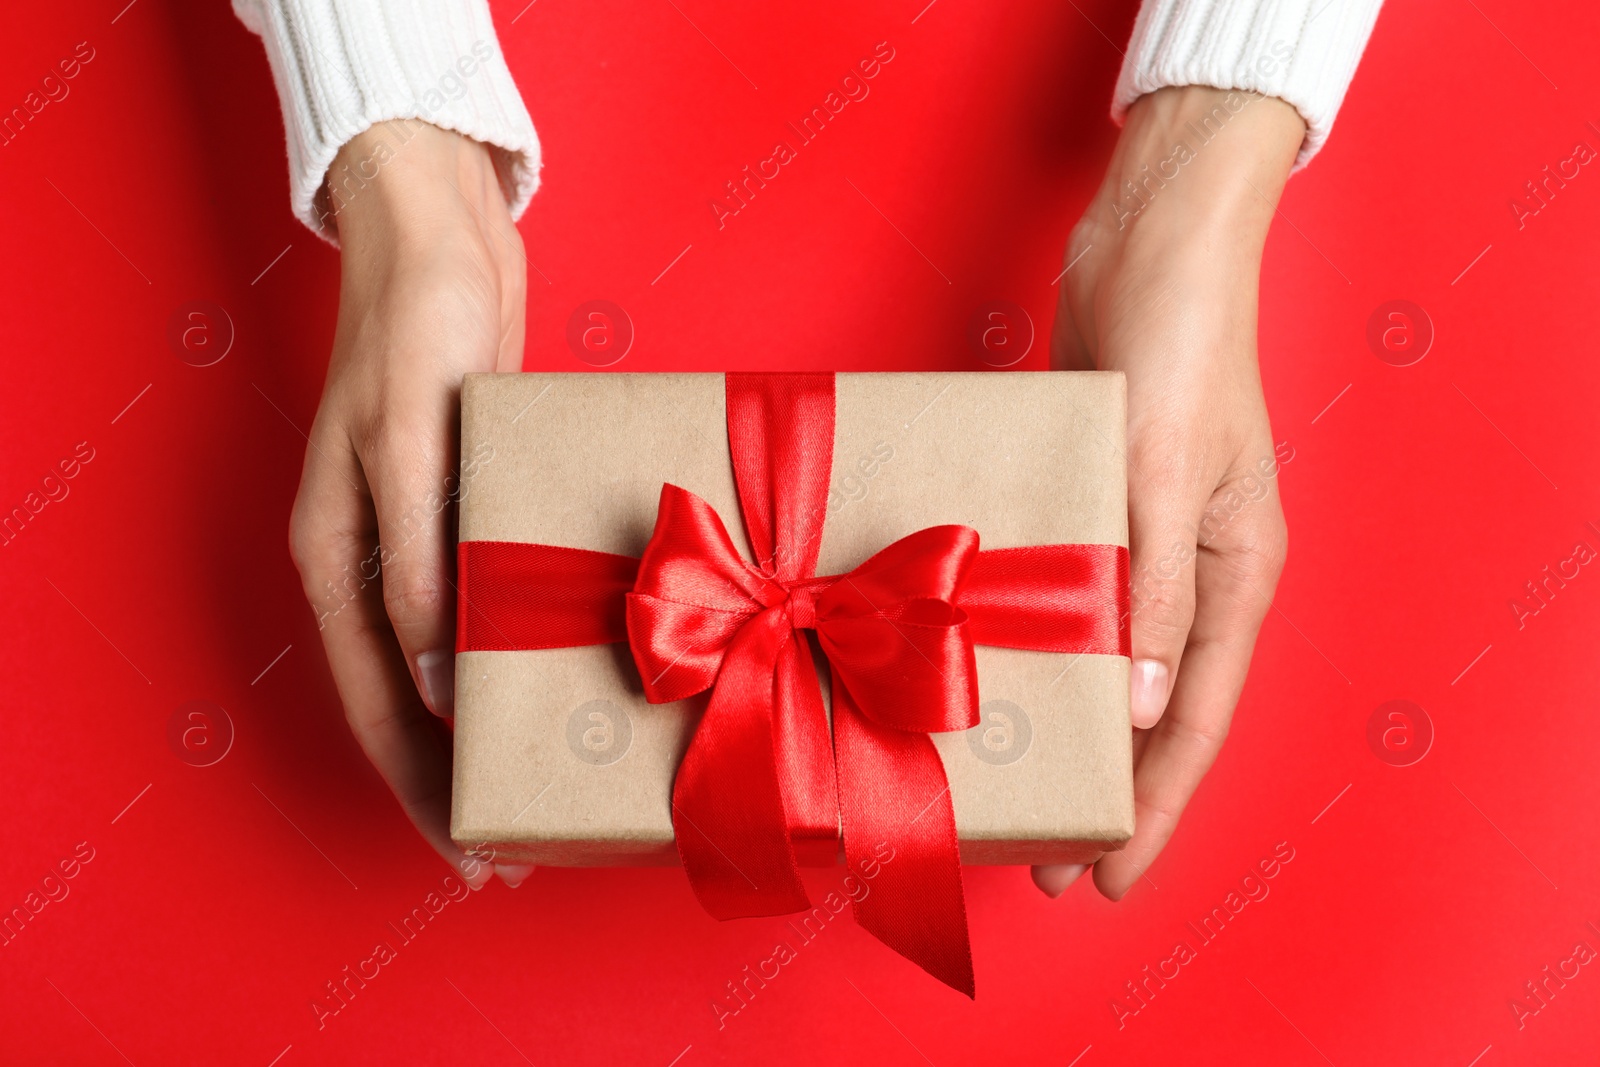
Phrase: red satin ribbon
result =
(762, 778)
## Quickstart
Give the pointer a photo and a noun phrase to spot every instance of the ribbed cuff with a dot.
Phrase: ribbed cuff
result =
(1302, 51)
(343, 65)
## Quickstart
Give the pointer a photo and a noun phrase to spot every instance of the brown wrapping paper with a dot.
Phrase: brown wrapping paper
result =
(560, 761)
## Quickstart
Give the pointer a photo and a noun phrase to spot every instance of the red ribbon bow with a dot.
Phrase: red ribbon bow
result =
(761, 779)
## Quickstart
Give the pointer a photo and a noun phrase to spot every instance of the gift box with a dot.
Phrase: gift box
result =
(903, 555)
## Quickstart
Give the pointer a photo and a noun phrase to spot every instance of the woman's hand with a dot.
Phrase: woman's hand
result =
(1163, 286)
(433, 285)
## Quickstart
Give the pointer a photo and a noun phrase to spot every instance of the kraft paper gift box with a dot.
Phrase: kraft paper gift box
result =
(560, 760)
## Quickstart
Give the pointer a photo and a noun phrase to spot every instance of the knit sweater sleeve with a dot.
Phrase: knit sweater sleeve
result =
(342, 65)
(1303, 51)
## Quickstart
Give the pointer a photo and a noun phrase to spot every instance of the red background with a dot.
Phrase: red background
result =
(220, 902)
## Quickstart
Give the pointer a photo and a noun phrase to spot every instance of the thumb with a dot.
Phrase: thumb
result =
(1162, 540)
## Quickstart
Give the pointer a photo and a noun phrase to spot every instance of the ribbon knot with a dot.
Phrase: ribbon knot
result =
(802, 605)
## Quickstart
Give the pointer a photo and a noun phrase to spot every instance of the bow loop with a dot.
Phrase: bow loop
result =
(928, 565)
(693, 595)
(895, 637)
(690, 557)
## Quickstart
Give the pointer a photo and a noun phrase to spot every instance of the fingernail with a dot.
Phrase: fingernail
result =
(1149, 692)
(1055, 879)
(438, 671)
(475, 873)
(513, 874)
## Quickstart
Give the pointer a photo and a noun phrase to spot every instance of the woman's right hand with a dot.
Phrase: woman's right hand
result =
(433, 286)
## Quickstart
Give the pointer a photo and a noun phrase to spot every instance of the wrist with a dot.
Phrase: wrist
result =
(406, 179)
(1210, 162)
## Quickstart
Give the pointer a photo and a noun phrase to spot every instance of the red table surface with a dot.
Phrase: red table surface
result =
(220, 900)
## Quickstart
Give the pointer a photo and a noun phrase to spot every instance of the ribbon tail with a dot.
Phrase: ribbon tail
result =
(727, 807)
(895, 803)
(805, 757)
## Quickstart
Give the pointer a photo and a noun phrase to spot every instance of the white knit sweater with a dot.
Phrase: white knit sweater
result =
(342, 65)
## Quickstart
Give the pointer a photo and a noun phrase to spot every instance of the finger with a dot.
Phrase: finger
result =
(414, 486)
(332, 540)
(1074, 327)
(1235, 579)
(1053, 879)
(513, 874)
(1141, 741)
(1161, 532)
